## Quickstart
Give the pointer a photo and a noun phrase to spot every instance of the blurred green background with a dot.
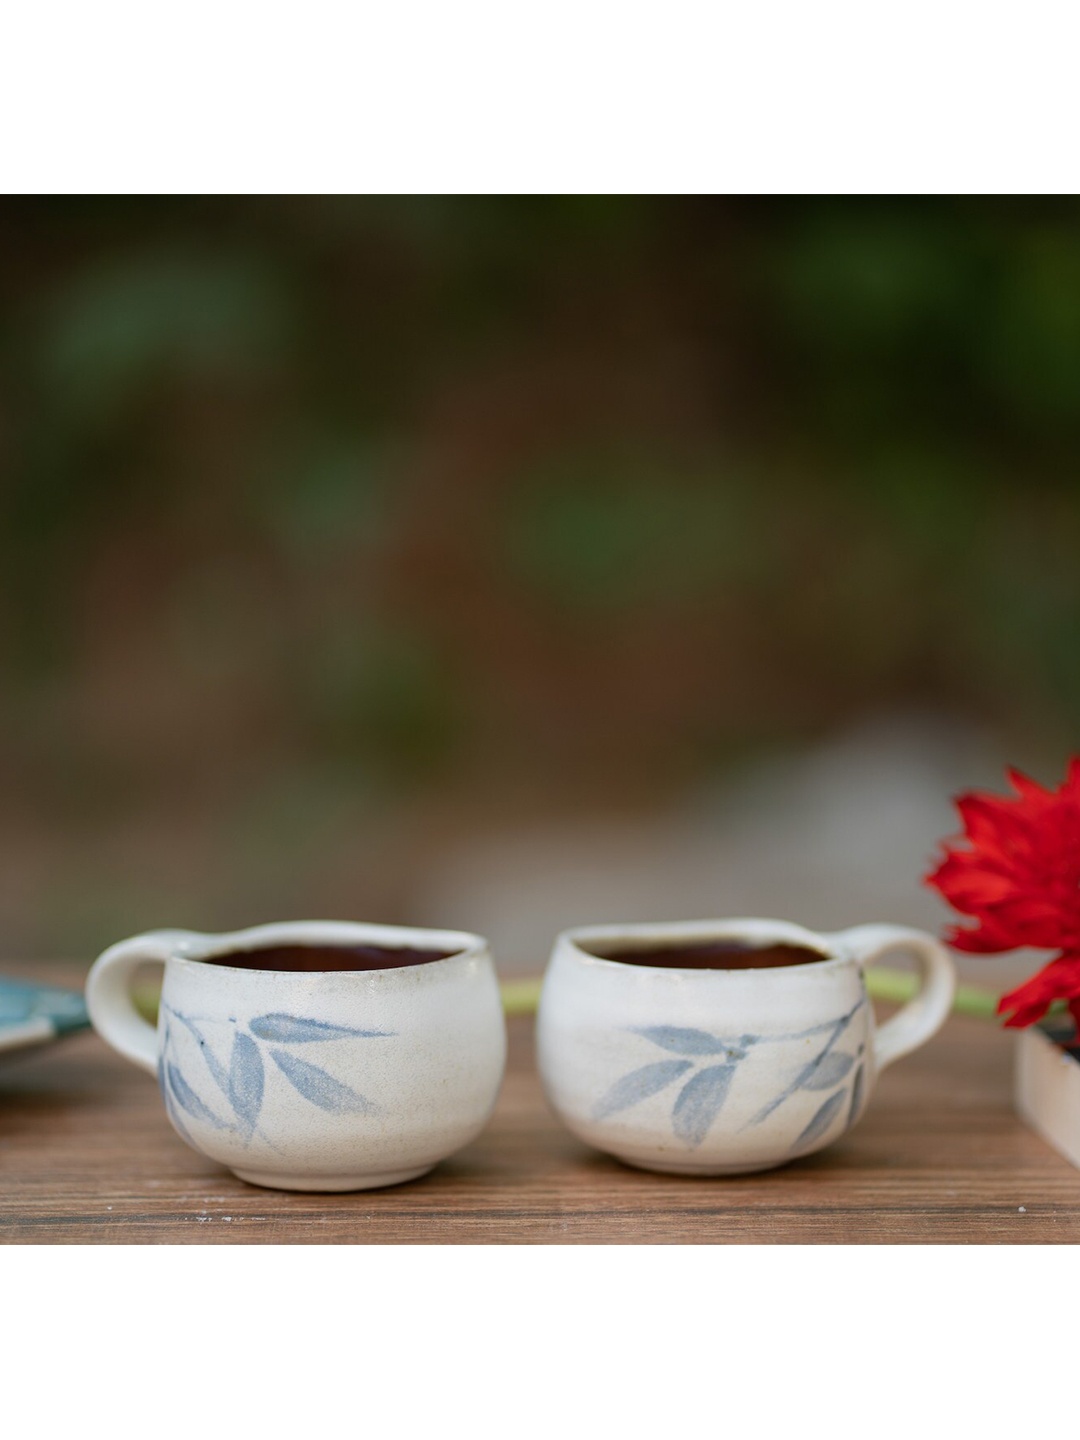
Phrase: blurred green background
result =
(342, 537)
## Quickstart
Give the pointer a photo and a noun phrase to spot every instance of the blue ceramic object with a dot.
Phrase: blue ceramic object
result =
(35, 1014)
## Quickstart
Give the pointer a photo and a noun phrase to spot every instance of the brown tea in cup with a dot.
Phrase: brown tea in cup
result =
(709, 955)
(326, 958)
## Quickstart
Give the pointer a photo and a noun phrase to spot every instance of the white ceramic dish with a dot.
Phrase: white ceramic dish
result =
(1048, 1087)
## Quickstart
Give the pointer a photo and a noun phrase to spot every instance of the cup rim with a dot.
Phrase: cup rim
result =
(194, 947)
(647, 933)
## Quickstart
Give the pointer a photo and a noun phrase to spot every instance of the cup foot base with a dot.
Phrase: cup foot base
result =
(665, 1167)
(330, 1183)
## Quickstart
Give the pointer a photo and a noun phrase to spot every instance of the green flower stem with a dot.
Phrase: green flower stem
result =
(521, 997)
(899, 986)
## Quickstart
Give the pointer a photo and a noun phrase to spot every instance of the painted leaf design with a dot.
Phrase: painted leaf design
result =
(295, 1029)
(825, 1025)
(823, 1118)
(246, 1081)
(320, 1087)
(174, 1115)
(682, 1040)
(700, 1101)
(806, 1074)
(171, 1108)
(830, 1072)
(188, 1100)
(856, 1096)
(639, 1085)
(213, 1064)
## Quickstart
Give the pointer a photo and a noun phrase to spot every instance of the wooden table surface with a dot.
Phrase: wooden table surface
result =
(88, 1157)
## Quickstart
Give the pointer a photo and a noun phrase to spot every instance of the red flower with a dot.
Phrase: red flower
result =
(1020, 880)
(1060, 980)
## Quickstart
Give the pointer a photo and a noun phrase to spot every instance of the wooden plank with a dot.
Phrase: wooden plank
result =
(88, 1157)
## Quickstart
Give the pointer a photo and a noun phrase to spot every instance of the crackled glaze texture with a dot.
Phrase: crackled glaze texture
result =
(714, 1071)
(335, 1080)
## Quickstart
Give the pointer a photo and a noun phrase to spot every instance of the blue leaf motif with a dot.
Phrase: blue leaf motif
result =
(296, 1029)
(246, 1081)
(639, 1085)
(700, 1101)
(823, 1118)
(213, 1064)
(170, 1104)
(187, 1099)
(830, 1072)
(803, 1079)
(172, 1111)
(217, 1070)
(682, 1040)
(856, 1096)
(320, 1087)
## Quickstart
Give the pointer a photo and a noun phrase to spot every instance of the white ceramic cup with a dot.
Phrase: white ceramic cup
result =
(718, 1071)
(325, 1080)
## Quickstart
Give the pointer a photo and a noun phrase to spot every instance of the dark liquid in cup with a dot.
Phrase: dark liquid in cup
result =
(327, 957)
(707, 955)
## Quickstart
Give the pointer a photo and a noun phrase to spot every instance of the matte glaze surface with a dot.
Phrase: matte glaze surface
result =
(711, 1072)
(323, 1080)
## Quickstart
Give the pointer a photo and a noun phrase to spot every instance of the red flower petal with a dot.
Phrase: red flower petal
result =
(984, 939)
(1025, 786)
(1060, 980)
(994, 823)
(969, 883)
(1017, 869)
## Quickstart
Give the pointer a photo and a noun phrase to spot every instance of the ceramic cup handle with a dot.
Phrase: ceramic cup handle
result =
(922, 1017)
(108, 997)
